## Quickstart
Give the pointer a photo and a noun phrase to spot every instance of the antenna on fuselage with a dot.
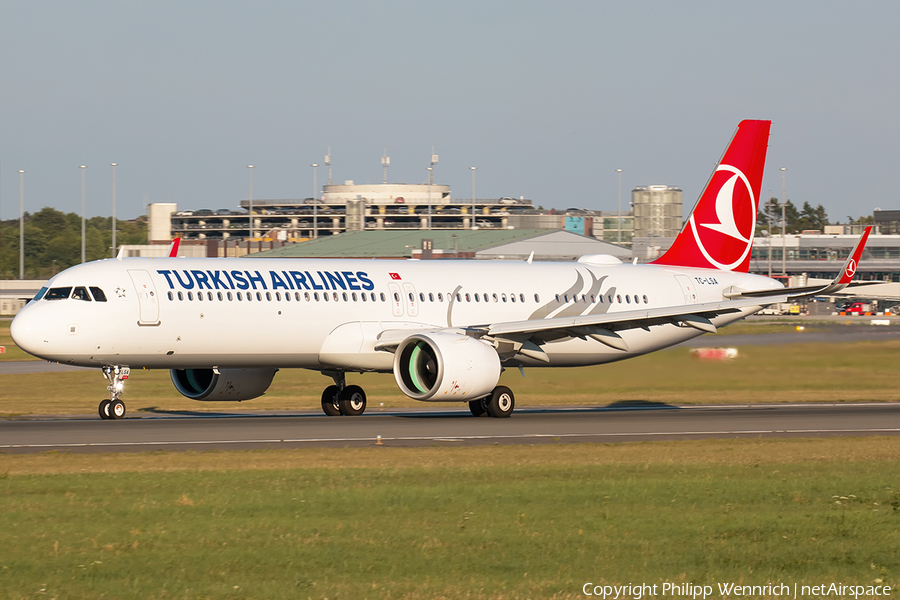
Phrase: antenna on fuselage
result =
(530, 257)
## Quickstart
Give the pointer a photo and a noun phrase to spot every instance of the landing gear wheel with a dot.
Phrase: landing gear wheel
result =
(116, 409)
(352, 401)
(501, 402)
(476, 407)
(330, 401)
(104, 410)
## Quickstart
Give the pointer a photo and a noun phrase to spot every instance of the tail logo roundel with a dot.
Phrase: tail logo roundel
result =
(726, 222)
(851, 268)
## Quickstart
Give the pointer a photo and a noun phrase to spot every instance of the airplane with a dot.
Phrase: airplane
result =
(446, 329)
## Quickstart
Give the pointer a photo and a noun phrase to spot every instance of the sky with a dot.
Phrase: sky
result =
(547, 100)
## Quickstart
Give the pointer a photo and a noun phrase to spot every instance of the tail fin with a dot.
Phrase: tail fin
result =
(719, 232)
(173, 249)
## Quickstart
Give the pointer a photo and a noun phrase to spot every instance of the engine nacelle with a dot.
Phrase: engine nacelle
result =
(226, 385)
(445, 367)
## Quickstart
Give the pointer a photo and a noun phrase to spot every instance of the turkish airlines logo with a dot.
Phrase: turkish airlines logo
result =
(394, 276)
(851, 269)
(728, 252)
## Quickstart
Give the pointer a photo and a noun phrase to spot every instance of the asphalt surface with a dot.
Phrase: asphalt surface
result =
(428, 427)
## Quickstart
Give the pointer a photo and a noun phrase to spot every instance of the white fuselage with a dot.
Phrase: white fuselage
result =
(328, 314)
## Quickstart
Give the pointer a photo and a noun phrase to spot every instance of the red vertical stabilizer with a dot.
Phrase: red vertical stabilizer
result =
(719, 232)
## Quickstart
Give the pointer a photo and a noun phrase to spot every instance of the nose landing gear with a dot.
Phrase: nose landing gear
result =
(114, 408)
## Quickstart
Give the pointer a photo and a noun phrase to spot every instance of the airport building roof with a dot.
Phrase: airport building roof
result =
(506, 243)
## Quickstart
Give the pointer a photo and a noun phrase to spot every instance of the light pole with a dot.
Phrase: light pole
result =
(434, 161)
(250, 167)
(328, 164)
(783, 227)
(315, 167)
(769, 244)
(430, 180)
(83, 167)
(21, 224)
(114, 249)
(619, 205)
(473, 195)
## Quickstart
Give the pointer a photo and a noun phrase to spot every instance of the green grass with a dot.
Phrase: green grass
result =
(495, 522)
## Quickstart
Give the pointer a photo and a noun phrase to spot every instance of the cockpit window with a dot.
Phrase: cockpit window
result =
(60, 293)
(40, 293)
(98, 294)
(81, 293)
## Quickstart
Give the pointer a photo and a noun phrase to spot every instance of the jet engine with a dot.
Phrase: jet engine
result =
(445, 367)
(225, 385)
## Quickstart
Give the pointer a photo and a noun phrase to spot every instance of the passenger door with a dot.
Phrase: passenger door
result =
(147, 298)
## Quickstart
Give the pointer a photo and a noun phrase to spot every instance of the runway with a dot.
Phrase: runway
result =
(430, 427)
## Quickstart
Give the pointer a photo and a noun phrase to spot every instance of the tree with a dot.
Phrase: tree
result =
(53, 241)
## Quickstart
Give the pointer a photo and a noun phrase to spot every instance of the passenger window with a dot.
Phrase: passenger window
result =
(627, 298)
(229, 296)
(81, 293)
(200, 296)
(494, 296)
(219, 295)
(430, 297)
(190, 295)
(512, 297)
(180, 296)
(305, 296)
(619, 298)
(171, 296)
(60, 293)
(259, 296)
(396, 297)
(381, 295)
(249, 296)
(325, 297)
(344, 295)
(421, 297)
(476, 297)
(536, 298)
(240, 296)
(353, 295)
(316, 296)
(503, 296)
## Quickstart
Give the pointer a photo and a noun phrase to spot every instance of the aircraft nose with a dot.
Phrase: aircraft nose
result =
(25, 331)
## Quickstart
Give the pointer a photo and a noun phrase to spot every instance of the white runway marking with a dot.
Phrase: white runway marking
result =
(455, 439)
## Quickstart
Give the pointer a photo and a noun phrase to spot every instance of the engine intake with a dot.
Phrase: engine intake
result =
(226, 385)
(445, 367)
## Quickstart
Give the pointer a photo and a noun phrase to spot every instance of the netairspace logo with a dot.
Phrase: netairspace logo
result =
(727, 590)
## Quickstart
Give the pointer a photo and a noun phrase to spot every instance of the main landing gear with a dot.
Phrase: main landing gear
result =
(499, 404)
(342, 399)
(114, 408)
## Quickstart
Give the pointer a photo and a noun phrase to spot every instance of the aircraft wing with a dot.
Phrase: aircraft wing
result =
(524, 336)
